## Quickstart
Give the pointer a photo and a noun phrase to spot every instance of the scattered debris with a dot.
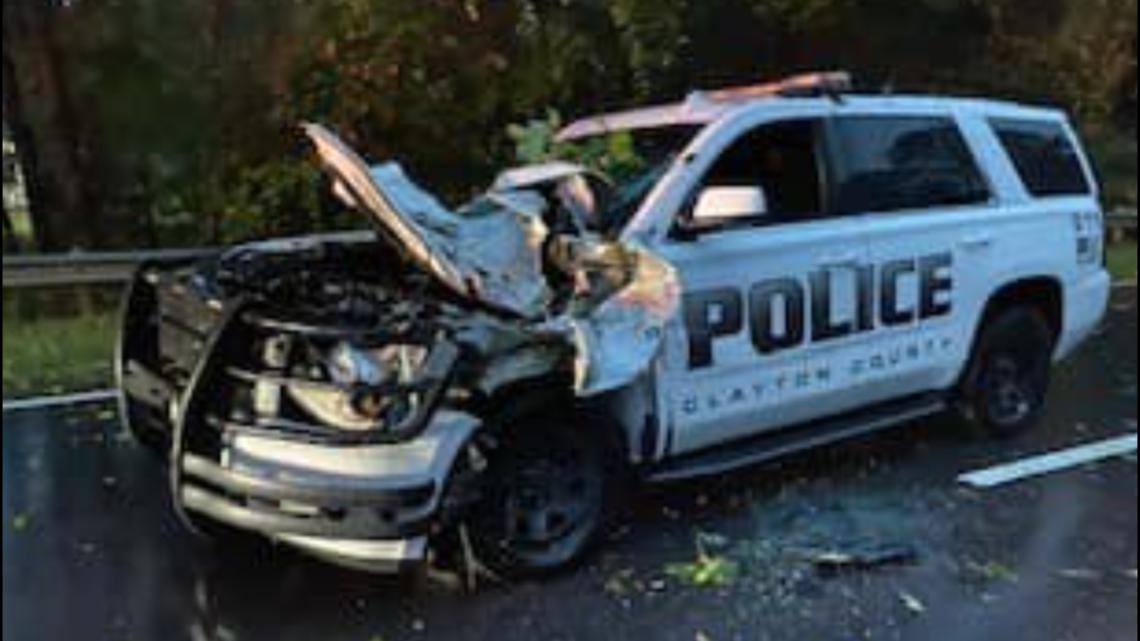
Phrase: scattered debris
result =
(446, 579)
(620, 533)
(867, 557)
(621, 583)
(912, 603)
(1080, 574)
(713, 541)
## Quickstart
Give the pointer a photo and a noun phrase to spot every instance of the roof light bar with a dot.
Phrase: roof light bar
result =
(809, 84)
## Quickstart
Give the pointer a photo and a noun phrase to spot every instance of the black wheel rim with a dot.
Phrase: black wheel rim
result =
(550, 503)
(1013, 391)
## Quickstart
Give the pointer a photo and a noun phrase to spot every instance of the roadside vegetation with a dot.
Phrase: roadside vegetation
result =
(188, 131)
(58, 341)
(1115, 156)
(1122, 261)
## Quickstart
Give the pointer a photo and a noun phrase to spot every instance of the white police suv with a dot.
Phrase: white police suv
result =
(787, 266)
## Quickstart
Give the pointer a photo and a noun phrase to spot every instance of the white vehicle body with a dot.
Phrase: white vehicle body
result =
(1011, 237)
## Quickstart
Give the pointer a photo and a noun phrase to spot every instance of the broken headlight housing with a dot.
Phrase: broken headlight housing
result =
(367, 383)
(345, 392)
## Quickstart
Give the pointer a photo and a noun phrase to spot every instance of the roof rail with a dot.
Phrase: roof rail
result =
(830, 83)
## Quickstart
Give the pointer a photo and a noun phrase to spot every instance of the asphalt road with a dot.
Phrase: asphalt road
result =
(92, 551)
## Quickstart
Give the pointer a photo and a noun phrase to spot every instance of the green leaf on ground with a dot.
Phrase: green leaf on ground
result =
(994, 571)
(707, 571)
(20, 522)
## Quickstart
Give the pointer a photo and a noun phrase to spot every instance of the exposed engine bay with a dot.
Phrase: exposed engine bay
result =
(335, 392)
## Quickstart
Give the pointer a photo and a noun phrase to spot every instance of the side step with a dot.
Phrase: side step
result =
(782, 443)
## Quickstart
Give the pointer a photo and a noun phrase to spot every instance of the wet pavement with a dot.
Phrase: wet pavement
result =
(92, 551)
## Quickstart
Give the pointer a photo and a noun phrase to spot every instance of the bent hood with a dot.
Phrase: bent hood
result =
(492, 256)
(493, 253)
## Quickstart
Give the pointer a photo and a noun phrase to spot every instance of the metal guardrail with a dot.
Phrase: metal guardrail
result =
(1122, 219)
(1120, 225)
(95, 268)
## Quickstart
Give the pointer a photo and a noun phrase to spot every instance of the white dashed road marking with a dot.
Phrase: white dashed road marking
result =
(1049, 463)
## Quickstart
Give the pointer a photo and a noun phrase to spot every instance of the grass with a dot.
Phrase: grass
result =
(1122, 261)
(21, 228)
(58, 341)
(22, 224)
(56, 356)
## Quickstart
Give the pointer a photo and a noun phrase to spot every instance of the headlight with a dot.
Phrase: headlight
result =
(366, 379)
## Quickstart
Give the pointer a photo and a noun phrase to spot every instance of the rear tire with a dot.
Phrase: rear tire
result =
(553, 486)
(1005, 388)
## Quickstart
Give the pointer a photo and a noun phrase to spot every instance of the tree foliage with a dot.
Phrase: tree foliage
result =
(174, 121)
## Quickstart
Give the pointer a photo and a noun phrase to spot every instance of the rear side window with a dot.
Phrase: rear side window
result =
(887, 164)
(1045, 157)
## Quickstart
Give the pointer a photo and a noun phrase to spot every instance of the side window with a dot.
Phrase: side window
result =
(887, 164)
(1045, 157)
(784, 160)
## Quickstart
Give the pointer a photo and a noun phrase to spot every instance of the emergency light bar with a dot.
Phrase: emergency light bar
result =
(832, 83)
(703, 107)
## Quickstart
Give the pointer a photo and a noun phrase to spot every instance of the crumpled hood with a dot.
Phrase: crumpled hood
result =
(493, 254)
(493, 258)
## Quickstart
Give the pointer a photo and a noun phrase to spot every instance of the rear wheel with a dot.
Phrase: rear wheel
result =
(552, 488)
(1008, 381)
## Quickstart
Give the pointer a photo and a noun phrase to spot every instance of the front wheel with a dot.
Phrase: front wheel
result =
(549, 498)
(1007, 384)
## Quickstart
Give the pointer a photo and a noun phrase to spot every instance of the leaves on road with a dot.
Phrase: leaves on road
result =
(994, 572)
(20, 522)
(707, 571)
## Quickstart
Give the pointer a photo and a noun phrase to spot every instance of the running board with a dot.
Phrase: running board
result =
(766, 448)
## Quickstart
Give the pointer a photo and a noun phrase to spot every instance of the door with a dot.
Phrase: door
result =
(927, 211)
(770, 300)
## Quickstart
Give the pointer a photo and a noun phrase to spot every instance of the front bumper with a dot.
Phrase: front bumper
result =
(370, 506)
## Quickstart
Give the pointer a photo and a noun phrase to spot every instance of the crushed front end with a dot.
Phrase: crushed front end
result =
(339, 393)
(299, 393)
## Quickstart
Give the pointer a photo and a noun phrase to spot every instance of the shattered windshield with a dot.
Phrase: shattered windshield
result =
(634, 161)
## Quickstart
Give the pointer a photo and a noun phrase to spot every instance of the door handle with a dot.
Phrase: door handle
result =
(841, 260)
(977, 242)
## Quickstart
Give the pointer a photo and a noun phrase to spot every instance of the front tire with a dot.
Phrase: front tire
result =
(1007, 384)
(553, 484)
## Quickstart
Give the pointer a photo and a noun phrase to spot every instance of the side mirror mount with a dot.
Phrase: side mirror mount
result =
(720, 205)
